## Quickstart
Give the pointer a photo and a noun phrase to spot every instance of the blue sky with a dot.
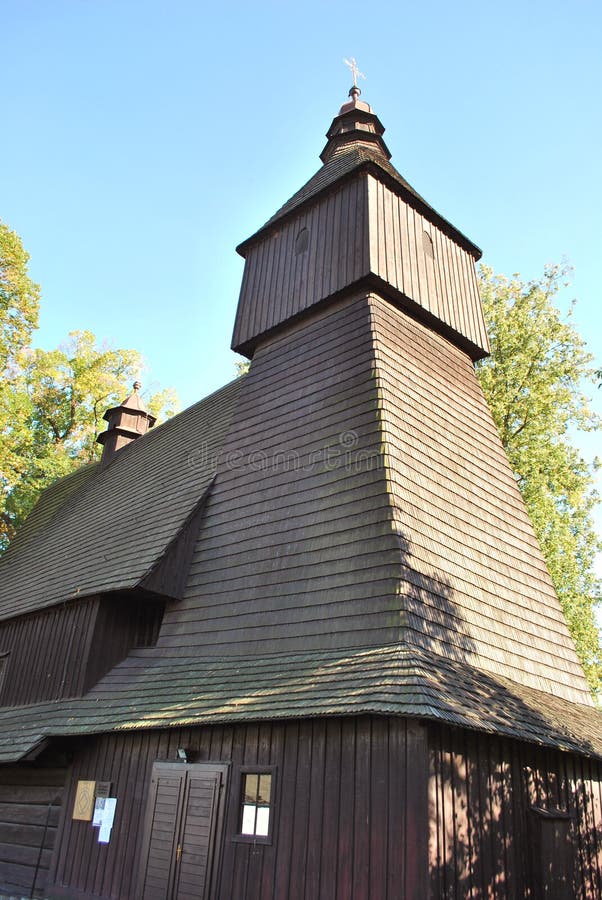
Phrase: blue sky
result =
(143, 140)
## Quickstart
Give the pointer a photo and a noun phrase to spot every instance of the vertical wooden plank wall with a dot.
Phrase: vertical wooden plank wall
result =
(120, 625)
(362, 227)
(483, 825)
(281, 280)
(48, 652)
(433, 271)
(30, 801)
(63, 651)
(343, 789)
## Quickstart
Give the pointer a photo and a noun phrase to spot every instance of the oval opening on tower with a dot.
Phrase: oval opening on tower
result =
(302, 241)
(427, 243)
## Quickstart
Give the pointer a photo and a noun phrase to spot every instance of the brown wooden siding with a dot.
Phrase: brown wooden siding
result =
(341, 832)
(63, 651)
(30, 800)
(123, 622)
(122, 525)
(488, 798)
(281, 560)
(445, 284)
(354, 798)
(48, 653)
(360, 229)
(416, 529)
(279, 283)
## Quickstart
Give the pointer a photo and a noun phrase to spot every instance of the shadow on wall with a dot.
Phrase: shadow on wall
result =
(508, 819)
(511, 820)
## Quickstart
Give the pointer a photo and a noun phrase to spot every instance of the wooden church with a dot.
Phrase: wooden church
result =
(299, 642)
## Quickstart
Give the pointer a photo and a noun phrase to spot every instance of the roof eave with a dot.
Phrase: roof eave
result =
(372, 167)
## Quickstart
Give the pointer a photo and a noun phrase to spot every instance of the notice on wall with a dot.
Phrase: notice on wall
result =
(103, 789)
(83, 807)
(99, 810)
(106, 818)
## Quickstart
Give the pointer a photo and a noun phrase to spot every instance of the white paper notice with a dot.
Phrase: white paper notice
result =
(106, 823)
(99, 808)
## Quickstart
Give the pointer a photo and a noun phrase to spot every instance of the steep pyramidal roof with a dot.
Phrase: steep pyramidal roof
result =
(355, 142)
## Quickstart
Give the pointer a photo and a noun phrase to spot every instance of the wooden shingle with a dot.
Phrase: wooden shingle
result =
(101, 531)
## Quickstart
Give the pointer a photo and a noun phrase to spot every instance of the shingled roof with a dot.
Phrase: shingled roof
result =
(371, 502)
(146, 691)
(346, 161)
(104, 530)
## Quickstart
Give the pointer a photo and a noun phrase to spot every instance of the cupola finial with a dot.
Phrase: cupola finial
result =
(355, 124)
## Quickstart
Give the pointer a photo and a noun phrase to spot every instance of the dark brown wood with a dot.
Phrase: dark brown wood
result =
(553, 856)
(278, 284)
(123, 622)
(169, 575)
(237, 581)
(363, 824)
(363, 228)
(182, 824)
(281, 564)
(63, 651)
(514, 826)
(30, 801)
(354, 798)
(335, 824)
(46, 651)
(441, 440)
(351, 503)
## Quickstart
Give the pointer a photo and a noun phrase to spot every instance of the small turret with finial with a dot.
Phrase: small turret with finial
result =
(128, 421)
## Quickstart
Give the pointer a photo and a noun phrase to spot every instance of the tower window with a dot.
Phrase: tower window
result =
(302, 241)
(427, 243)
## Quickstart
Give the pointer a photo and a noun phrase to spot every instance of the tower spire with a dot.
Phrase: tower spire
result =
(356, 123)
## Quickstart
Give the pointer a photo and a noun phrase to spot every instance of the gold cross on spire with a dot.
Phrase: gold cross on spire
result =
(354, 69)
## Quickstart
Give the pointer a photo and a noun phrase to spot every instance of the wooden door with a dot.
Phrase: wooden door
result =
(553, 855)
(182, 830)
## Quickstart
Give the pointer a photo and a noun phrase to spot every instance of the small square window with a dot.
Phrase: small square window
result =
(256, 804)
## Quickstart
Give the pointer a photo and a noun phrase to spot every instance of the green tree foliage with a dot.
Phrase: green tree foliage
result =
(19, 298)
(19, 306)
(51, 401)
(534, 383)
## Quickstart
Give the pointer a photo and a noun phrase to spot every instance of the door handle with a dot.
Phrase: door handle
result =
(178, 853)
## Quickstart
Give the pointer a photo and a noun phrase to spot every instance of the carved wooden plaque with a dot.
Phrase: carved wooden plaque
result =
(83, 808)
